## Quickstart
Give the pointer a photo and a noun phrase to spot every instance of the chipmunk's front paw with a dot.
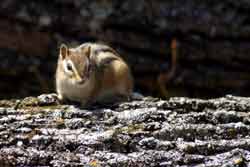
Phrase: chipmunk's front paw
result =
(61, 99)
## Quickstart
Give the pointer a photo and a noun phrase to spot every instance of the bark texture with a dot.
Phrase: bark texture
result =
(212, 37)
(37, 131)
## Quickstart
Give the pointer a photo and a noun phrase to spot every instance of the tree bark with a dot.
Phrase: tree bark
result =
(212, 40)
(37, 131)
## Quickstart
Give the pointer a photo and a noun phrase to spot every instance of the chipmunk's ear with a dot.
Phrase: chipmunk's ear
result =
(87, 51)
(64, 51)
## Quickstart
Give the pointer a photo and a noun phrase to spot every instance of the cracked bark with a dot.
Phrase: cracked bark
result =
(37, 131)
(213, 36)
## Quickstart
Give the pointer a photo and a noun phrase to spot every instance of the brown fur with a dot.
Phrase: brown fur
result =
(110, 77)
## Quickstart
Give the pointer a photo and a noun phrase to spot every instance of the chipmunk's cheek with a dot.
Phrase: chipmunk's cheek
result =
(68, 74)
(71, 77)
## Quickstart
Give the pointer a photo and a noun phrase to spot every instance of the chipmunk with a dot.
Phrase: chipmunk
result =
(92, 73)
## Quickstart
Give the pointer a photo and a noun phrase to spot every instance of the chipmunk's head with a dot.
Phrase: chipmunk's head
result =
(76, 63)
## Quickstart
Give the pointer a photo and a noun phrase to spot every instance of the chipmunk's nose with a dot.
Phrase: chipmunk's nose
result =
(80, 81)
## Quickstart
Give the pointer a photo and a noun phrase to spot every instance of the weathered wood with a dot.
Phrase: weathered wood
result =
(37, 131)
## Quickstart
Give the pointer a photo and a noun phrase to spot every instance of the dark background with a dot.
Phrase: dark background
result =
(213, 43)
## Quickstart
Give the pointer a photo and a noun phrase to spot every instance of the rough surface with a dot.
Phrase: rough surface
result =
(213, 38)
(37, 131)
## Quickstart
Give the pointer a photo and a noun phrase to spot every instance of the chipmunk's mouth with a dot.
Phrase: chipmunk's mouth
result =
(81, 81)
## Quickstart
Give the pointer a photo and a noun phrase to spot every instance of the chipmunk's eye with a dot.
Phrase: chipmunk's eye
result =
(69, 67)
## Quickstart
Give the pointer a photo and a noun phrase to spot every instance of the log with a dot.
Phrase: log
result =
(38, 131)
(212, 36)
